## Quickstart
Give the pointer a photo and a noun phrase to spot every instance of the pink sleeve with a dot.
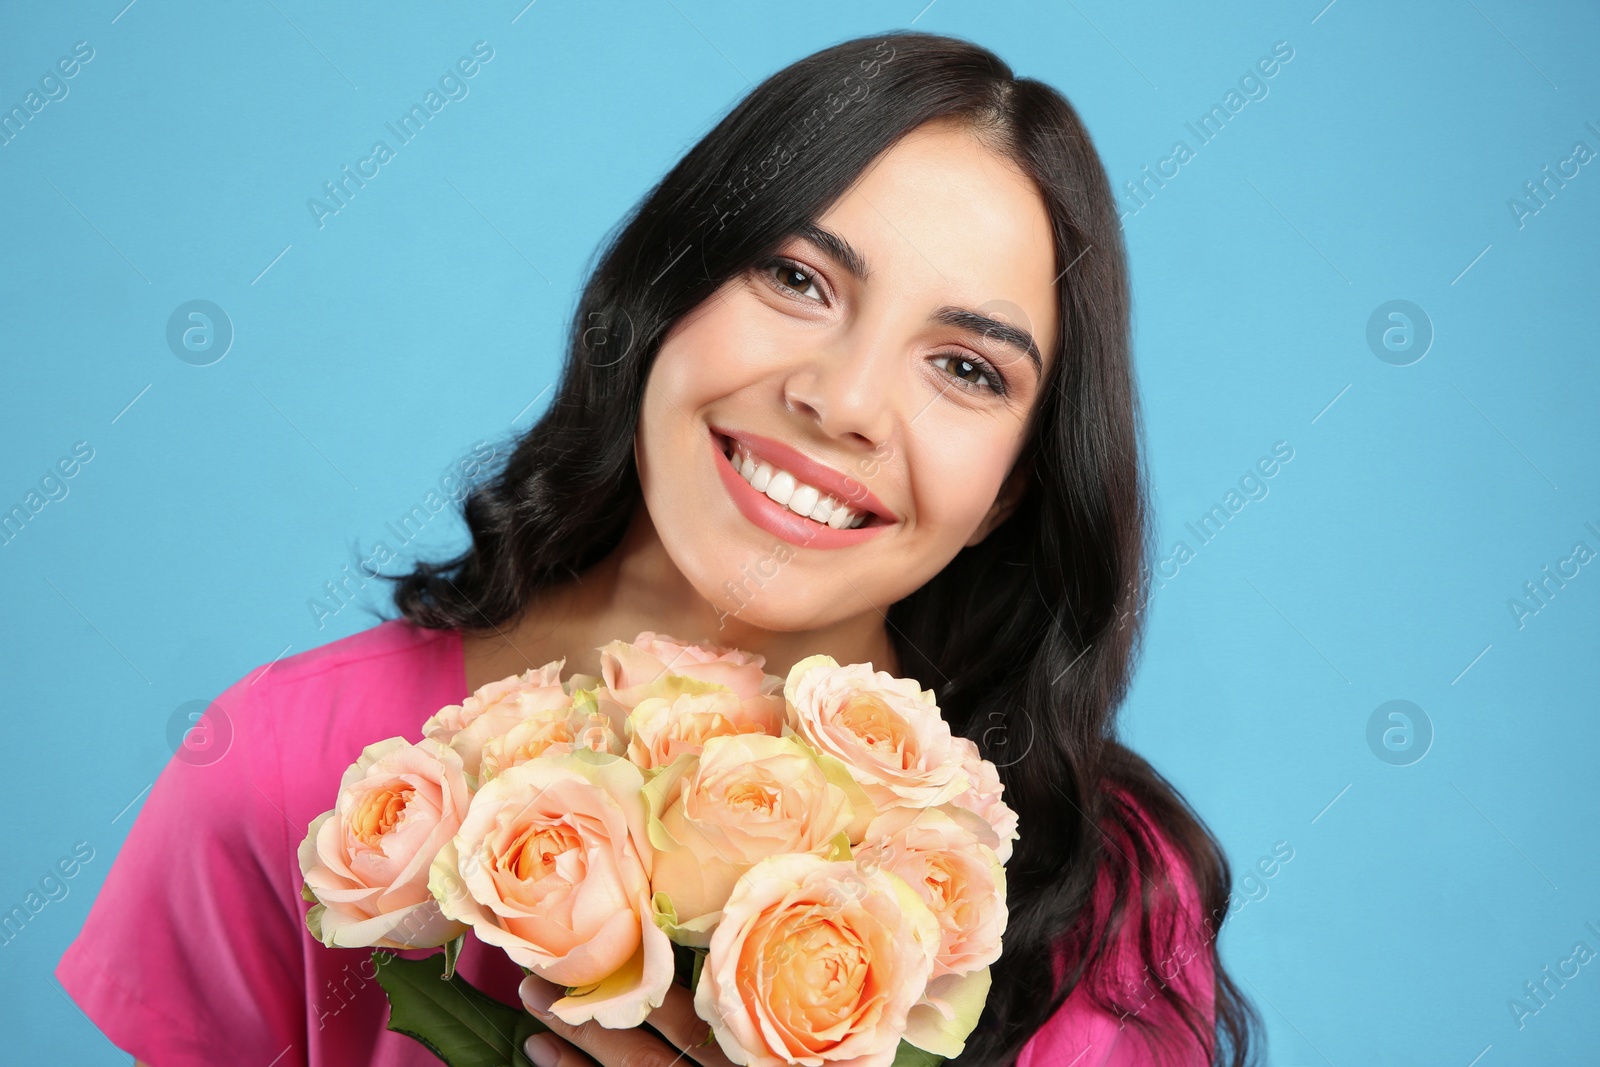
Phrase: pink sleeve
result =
(1097, 1025)
(191, 954)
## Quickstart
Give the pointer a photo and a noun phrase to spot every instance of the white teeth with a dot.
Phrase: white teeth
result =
(783, 488)
(804, 500)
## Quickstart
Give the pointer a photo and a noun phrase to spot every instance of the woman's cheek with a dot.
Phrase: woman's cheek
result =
(955, 483)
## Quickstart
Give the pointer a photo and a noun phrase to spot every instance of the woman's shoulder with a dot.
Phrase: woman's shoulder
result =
(375, 680)
(297, 722)
(1147, 910)
(1168, 868)
(392, 649)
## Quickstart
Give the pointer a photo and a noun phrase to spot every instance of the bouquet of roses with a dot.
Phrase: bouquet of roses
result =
(817, 857)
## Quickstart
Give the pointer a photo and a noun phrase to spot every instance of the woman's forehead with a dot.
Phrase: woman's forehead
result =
(941, 219)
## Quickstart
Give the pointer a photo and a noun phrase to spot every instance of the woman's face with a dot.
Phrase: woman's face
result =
(889, 372)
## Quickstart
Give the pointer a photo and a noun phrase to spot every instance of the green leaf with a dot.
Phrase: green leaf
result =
(909, 1055)
(452, 951)
(458, 1023)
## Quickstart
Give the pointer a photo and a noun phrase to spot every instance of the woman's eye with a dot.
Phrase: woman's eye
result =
(972, 374)
(790, 276)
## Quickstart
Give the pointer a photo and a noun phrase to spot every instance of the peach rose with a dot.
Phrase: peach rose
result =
(660, 729)
(982, 798)
(494, 709)
(887, 730)
(630, 668)
(593, 721)
(743, 798)
(552, 864)
(816, 962)
(942, 856)
(366, 861)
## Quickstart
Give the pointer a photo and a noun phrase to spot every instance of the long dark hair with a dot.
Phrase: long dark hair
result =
(1029, 637)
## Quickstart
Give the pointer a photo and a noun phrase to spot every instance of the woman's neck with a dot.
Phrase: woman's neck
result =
(638, 587)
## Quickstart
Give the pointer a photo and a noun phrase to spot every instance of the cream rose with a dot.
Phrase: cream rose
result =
(631, 668)
(816, 962)
(743, 798)
(660, 729)
(552, 864)
(982, 798)
(493, 709)
(593, 721)
(887, 730)
(366, 861)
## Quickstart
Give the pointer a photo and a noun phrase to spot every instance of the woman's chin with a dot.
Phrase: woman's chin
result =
(782, 609)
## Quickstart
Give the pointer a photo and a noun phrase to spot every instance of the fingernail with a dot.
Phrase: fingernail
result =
(542, 1050)
(537, 995)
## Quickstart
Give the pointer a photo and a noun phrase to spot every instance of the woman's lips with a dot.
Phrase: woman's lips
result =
(805, 469)
(776, 519)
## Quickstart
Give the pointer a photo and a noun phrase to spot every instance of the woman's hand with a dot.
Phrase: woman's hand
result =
(592, 1045)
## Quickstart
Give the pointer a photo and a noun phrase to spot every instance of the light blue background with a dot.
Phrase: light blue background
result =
(371, 353)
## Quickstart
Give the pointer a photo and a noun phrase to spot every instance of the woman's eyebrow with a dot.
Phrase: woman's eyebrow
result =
(837, 247)
(961, 318)
(1000, 332)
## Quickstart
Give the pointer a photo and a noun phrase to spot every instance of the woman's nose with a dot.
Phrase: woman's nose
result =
(850, 391)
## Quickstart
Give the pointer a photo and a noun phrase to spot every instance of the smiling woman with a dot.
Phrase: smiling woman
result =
(883, 410)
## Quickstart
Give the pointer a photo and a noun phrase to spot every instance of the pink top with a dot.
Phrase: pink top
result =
(196, 949)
